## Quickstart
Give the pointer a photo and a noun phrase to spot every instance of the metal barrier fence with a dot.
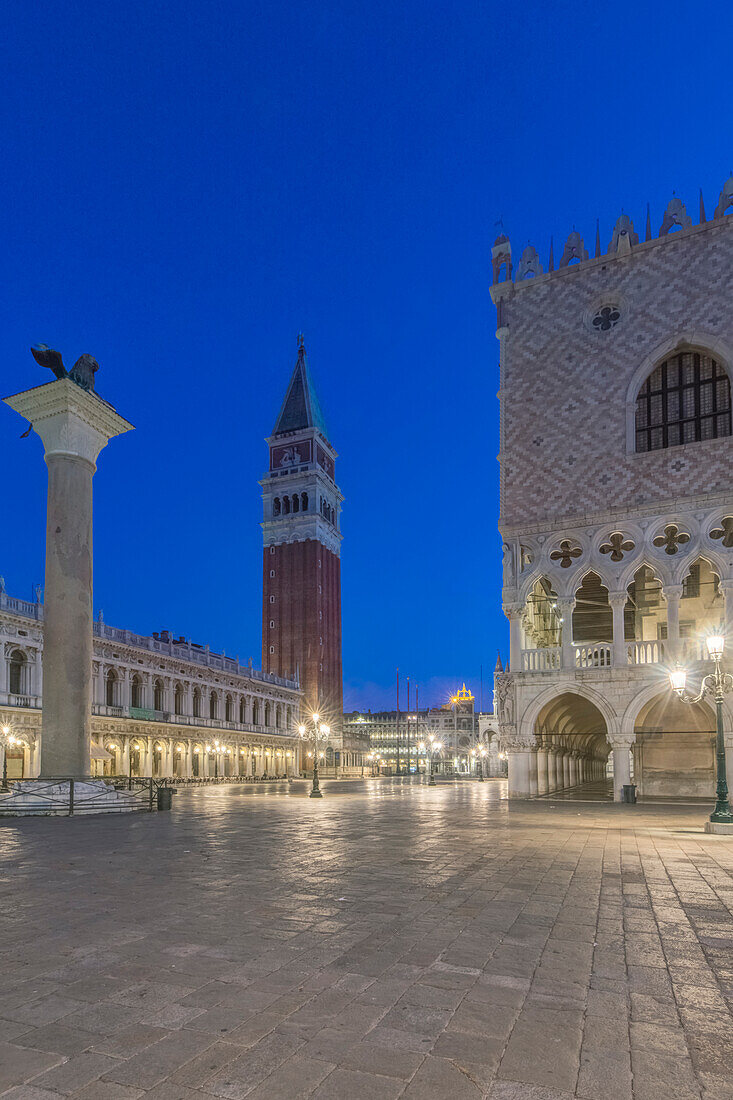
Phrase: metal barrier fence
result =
(69, 796)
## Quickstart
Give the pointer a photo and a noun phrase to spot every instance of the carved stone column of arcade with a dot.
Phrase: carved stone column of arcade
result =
(542, 768)
(726, 587)
(513, 613)
(520, 755)
(566, 606)
(74, 425)
(617, 601)
(620, 746)
(559, 769)
(532, 767)
(574, 769)
(566, 769)
(551, 768)
(673, 594)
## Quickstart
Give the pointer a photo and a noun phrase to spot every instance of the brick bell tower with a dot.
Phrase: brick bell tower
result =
(301, 608)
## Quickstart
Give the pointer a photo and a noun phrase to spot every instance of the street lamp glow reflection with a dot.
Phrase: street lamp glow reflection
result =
(678, 679)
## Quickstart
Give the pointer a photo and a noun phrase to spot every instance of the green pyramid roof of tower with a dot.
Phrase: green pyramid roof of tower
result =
(301, 408)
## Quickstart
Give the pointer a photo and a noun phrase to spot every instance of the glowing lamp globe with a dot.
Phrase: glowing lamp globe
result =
(716, 645)
(678, 679)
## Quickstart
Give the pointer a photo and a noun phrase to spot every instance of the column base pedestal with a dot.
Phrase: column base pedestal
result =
(719, 827)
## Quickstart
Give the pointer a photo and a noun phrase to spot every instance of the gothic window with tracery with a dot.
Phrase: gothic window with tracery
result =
(686, 398)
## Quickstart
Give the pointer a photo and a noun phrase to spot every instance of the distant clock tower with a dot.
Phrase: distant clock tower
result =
(301, 610)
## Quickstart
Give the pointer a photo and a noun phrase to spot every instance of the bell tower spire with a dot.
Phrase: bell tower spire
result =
(301, 527)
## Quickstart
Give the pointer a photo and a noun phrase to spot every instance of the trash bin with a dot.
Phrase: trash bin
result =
(165, 798)
(629, 792)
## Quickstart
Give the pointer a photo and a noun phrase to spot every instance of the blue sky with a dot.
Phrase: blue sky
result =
(186, 186)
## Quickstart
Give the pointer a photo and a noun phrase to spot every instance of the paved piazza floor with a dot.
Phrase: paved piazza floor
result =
(388, 941)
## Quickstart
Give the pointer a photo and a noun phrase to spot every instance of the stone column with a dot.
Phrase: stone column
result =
(551, 769)
(513, 613)
(532, 770)
(621, 745)
(542, 768)
(617, 601)
(673, 594)
(560, 765)
(518, 760)
(566, 770)
(520, 768)
(565, 607)
(726, 587)
(74, 426)
(573, 769)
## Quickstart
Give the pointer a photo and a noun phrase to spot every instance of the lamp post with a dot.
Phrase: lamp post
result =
(479, 755)
(431, 748)
(317, 733)
(717, 684)
(374, 759)
(6, 740)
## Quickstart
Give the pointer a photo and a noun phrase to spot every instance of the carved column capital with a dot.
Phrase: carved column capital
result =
(621, 740)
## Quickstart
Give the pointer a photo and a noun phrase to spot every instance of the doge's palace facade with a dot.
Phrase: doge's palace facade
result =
(616, 500)
(162, 706)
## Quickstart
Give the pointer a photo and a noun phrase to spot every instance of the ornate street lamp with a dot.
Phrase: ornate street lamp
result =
(717, 684)
(317, 734)
(432, 748)
(6, 740)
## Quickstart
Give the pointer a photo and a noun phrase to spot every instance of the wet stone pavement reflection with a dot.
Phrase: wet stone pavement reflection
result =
(390, 940)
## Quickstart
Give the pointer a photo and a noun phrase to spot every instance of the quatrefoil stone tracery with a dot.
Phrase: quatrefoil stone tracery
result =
(617, 546)
(565, 554)
(606, 318)
(724, 532)
(671, 539)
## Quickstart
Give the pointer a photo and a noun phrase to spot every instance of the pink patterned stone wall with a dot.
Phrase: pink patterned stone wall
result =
(564, 385)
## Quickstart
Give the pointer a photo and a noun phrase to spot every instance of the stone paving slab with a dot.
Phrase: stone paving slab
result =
(391, 940)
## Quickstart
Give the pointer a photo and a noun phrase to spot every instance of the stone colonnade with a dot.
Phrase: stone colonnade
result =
(542, 769)
(203, 758)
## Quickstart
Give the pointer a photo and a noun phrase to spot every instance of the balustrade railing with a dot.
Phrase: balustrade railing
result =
(646, 653)
(600, 654)
(594, 655)
(32, 702)
(166, 717)
(545, 659)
